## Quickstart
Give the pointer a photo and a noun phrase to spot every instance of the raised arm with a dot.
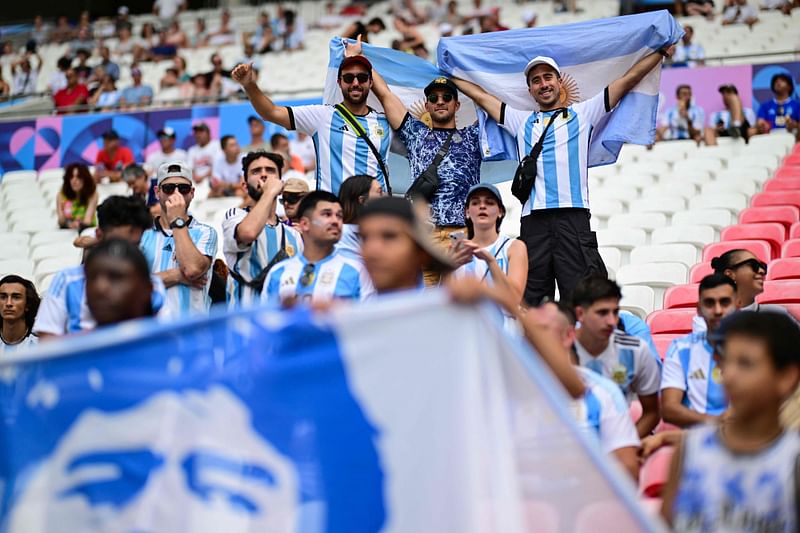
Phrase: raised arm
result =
(246, 76)
(192, 263)
(392, 105)
(488, 103)
(263, 212)
(635, 74)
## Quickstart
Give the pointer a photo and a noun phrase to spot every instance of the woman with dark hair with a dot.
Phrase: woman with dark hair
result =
(748, 271)
(76, 204)
(353, 194)
(19, 304)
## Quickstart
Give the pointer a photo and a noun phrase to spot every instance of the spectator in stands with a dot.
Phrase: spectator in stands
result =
(73, 94)
(529, 19)
(25, 76)
(691, 384)
(625, 360)
(63, 31)
(318, 274)
(5, 88)
(412, 40)
(374, 26)
(59, 78)
(684, 121)
(40, 32)
(200, 35)
(19, 304)
(76, 203)
(202, 155)
(303, 147)
(719, 474)
(696, 8)
(112, 158)
(783, 111)
(331, 20)
(491, 21)
(291, 31)
(82, 68)
(118, 283)
(279, 143)
(250, 56)
(198, 90)
(106, 96)
(123, 18)
(688, 53)
(734, 121)
(186, 268)
(142, 187)
(64, 310)
(127, 44)
(83, 41)
(167, 10)
(355, 192)
(262, 38)
(257, 142)
(748, 272)
(784, 6)
(226, 172)
(254, 240)
(294, 190)
(168, 153)
(137, 94)
(111, 68)
(175, 36)
(163, 49)
(739, 12)
(147, 40)
(453, 17)
(179, 64)
(224, 34)
(216, 73)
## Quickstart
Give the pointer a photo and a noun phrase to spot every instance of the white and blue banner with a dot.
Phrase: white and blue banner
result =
(407, 414)
(590, 54)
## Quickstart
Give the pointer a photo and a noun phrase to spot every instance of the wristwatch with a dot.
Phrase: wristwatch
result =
(178, 223)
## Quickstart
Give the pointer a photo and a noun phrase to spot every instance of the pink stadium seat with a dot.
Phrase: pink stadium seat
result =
(772, 232)
(760, 249)
(794, 231)
(662, 342)
(699, 271)
(785, 268)
(681, 296)
(776, 198)
(791, 248)
(780, 292)
(789, 171)
(794, 309)
(677, 321)
(635, 410)
(783, 184)
(654, 473)
(783, 214)
(792, 160)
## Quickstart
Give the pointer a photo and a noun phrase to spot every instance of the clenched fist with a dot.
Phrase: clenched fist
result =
(244, 74)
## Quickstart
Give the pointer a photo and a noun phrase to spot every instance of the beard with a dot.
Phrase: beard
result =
(254, 193)
(356, 100)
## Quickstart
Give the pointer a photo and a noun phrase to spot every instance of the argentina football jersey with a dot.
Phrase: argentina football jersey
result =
(337, 276)
(690, 366)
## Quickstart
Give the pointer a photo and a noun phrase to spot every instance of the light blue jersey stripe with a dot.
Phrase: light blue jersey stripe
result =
(318, 173)
(336, 154)
(573, 153)
(362, 152)
(549, 165)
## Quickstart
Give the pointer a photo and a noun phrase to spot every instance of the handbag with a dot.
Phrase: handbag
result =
(427, 183)
(525, 177)
(359, 129)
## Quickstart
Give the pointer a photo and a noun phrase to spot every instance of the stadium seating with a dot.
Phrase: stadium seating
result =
(791, 248)
(782, 214)
(783, 184)
(662, 342)
(699, 271)
(698, 235)
(677, 321)
(794, 231)
(638, 299)
(655, 472)
(681, 296)
(732, 201)
(784, 268)
(776, 198)
(716, 218)
(772, 232)
(780, 292)
(760, 249)
(664, 253)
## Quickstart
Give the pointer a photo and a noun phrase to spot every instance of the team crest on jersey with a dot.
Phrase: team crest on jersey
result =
(326, 278)
(716, 375)
(378, 130)
(619, 374)
(570, 92)
(419, 112)
(290, 251)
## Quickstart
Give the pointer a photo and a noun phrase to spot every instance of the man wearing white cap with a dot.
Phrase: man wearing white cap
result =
(178, 248)
(555, 214)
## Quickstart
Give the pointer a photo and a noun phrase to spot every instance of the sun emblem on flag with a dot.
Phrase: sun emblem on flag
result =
(418, 111)
(570, 92)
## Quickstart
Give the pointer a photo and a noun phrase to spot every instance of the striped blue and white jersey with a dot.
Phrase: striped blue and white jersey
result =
(626, 361)
(725, 491)
(689, 366)
(603, 412)
(678, 126)
(28, 342)
(158, 246)
(724, 117)
(478, 268)
(338, 276)
(561, 171)
(64, 308)
(350, 241)
(248, 260)
(341, 153)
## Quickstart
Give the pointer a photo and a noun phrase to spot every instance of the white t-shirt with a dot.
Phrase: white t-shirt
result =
(25, 82)
(167, 9)
(201, 158)
(227, 172)
(156, 159)
(304, 150)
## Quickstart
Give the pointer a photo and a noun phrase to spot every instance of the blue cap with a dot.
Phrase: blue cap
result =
(486, 187)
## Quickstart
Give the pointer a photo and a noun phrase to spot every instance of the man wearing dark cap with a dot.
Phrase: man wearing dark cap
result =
(734, 121)
(257, 141)
(783, 111)
(351, 137)
(112, 159)
(202, 155)
(396, 245)
(167, 154)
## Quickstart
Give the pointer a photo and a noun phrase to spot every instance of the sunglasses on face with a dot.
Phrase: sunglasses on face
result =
(169, 188)
(307, 277)
(291, 198)
(362, 77)
(753, 263)
(446, 98)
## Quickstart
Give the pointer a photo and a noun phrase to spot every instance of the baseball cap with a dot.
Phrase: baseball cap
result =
(442, 83)
(174, 169)
(166, 132)
(355, 60)
(295, 186)
(728, 87)
(253, 118)
(200, 126)
(486, 187)
(418, 229)
(541, 60)
(110, 135)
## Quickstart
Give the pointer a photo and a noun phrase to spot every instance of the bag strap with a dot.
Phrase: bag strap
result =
(440, 155)
(536, 149)
(258, 281)
(359, 129)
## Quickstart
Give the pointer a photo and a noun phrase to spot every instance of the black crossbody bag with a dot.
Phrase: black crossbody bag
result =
(257, 283)
(359, 129)
(525, 177)
(427, 183)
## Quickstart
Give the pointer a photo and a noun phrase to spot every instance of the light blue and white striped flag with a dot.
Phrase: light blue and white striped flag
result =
(591, 55)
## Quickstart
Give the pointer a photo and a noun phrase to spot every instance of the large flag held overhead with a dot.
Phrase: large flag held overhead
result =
(290, 423)
(590, 54)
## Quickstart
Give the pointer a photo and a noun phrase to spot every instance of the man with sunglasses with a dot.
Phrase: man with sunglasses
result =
(340, 133)
(253, 239)
(179, 248)
(294, 190)
(318, 274)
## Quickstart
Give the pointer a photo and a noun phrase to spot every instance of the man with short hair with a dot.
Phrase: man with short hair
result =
(257, 141)
(202, 155)
(318, 274)
(396, 246)
(734, 121)
(111, 68)
(73, 94)
(280, 145)
(137, 94)
(179, 248)
(142, 187)
(19, 304)
(294, 190)
(112, 158)
(341, 132)
(25, 77)
(783, 111)
(226, 173)
(688, 53)
(739, 12)
(253, 238)
(64, 309)
(685, 120)
(168, 152)
(691, 383)
(625, 360)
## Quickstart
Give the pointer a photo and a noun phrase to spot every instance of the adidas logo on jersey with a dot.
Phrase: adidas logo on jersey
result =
(626, 340)
(698, 374)
(344, 128)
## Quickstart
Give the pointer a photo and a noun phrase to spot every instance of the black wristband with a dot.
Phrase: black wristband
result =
(663, 52)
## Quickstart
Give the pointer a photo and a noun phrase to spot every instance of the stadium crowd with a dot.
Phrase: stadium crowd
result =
(346, 238)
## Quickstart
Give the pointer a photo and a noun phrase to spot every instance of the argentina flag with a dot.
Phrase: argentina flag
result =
(289, 422)
(590, 54)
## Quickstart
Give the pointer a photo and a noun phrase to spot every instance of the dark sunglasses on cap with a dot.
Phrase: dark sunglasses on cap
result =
(169, 188)
(362, 77)
(307, 277)
(291, 198)
(446, 97)
(753, 263)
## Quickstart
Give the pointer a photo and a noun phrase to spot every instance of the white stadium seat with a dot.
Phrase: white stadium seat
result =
(658, 204)
(14, 238)
(732, 201)
(711, 164)
(638, 299)
(612, 257)
(18, 176)
(54, 236)
(13, 250)
(658, 276)
(20, 267)
(52, 249)
(739, 184)
(698, 235)
(645, 221)
(716, 218)
(603, 208)
(625, 239)
(665, 253)
(35, 225)
(611, 191)
(55, 264)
